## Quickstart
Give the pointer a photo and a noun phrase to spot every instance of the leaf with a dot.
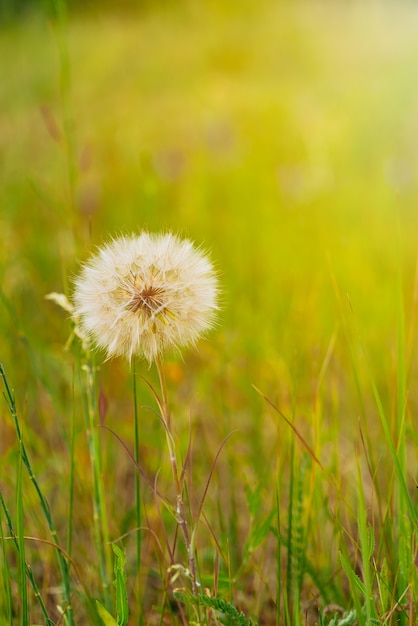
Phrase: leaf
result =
(352, 576)
(218, 604)
(105, 616)
(258, 532)
(253, 499)
(370, 543)
(122, 607)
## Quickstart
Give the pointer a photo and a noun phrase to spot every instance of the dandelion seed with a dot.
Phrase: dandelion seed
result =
(142, 295)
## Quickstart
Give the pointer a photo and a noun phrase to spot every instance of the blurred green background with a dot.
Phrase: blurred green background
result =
(282, 137)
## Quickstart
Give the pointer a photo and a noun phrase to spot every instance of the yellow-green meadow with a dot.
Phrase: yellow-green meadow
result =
(266, 471)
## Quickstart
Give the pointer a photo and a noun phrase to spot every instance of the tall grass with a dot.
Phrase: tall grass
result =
(283, 138)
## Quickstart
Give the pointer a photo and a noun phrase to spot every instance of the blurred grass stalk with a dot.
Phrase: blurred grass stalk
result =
(24, 602)
(87, 373)
(100, 521)
(60, 14)
(5, 583)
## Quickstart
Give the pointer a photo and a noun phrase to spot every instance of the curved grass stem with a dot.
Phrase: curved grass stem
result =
(178, 483)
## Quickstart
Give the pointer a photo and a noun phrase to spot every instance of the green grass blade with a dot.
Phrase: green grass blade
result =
(64, 568)
(356, 586)
(106, 617)
(29, 572)
(21, 542)
(398, 467)
(290, 582)
(367, 546)
(278, 555)
(403, 501)
(122, 607)
(5, 588)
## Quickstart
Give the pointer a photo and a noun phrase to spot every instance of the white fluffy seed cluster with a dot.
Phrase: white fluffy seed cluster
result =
(143, 295)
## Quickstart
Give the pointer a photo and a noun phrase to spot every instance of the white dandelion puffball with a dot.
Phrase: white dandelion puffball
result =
(141, 295)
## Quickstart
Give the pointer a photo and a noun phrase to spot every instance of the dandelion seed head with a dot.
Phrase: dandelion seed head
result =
(143, 295)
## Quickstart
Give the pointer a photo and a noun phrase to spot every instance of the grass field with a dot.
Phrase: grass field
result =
(283, 138)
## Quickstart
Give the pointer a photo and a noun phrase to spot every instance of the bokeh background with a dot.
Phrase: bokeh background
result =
(280, 136)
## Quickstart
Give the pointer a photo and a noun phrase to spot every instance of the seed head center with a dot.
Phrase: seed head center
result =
(148, 299)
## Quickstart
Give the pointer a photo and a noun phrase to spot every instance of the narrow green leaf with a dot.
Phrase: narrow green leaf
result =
(5, 577)
(383, 581)
(371, 543)
(122, 607)
(257, 533)
(105, 616)
(253, 499)
(21, 542)
(352, 576)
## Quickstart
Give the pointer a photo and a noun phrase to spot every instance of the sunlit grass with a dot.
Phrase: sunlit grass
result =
(283, 138)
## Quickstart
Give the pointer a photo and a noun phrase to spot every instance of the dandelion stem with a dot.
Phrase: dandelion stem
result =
(180, 515)
(137, 489)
